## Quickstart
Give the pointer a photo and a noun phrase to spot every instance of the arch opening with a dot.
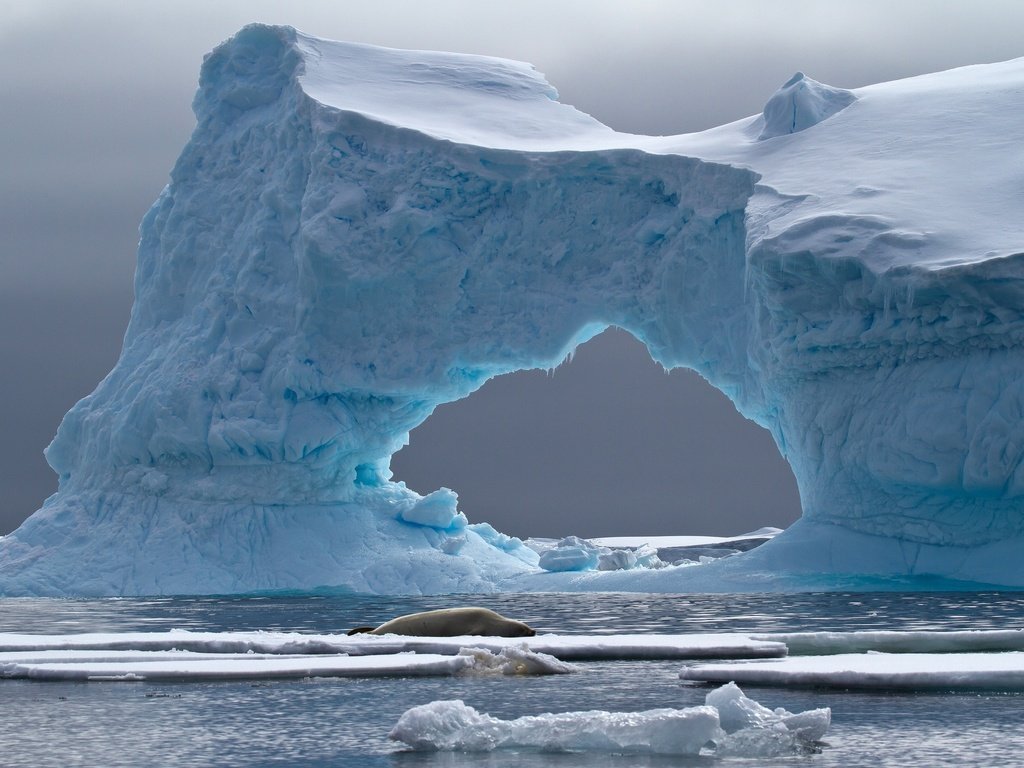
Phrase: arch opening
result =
(607, 444)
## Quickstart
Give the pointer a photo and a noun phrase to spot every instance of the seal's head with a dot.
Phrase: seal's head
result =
(518, 629)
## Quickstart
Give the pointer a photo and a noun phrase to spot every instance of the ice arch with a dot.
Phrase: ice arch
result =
(607, 442)
(354, 235)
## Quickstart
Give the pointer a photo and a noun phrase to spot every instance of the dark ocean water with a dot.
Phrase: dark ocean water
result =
(345, 722)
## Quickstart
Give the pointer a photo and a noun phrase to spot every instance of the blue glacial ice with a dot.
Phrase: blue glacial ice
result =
(354, 235)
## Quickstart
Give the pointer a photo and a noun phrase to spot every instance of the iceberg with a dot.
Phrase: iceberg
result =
(354, 235)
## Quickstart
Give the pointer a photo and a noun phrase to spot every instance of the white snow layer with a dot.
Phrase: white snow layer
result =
(729, 724)
(668, 542)
(918, 660)
(890, 641)
(882, 671)
(131, 666)
(563, 647)
(354, 235)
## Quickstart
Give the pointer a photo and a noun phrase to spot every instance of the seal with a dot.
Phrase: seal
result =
(451, 622)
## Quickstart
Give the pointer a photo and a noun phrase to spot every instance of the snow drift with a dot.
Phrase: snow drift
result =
(355, 235)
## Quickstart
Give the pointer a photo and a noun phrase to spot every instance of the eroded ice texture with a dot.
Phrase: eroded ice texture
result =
(737, 711)
(354, 235)
(729, 724)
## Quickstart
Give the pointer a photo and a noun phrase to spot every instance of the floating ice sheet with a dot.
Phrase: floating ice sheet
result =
(190, 665)
(823, 643)
(565, 647)
(882, 671)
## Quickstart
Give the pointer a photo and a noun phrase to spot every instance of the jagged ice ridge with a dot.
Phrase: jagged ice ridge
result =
(354, 235)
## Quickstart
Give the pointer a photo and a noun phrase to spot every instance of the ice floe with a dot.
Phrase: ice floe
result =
(886, 659)
(564, 647)
(912, 641)
(181, 654)
(880, 671)
(190, 665)
(729, 723)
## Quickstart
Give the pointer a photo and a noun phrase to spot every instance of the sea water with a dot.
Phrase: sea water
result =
(345, 722)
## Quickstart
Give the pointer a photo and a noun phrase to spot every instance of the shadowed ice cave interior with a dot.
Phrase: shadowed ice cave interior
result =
(608, 443)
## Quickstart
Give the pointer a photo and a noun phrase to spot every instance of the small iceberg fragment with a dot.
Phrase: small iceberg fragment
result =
(435, 510)
(736, 712)
(575, 554)
(800, 103)
(728, 723)
(515, 660)
(571, 554)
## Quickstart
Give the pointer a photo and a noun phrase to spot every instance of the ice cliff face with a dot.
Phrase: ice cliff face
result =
(354, 235)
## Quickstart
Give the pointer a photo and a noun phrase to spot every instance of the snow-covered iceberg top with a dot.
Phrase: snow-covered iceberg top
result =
(801, 103)
(479, 100)
(354, 235)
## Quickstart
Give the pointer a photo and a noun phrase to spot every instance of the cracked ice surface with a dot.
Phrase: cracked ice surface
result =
(354, 235)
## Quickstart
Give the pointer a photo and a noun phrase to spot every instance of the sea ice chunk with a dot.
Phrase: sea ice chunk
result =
(570, 554)
(749, 730)
(616, 560)
(575, 554)
(516, 660)
(736, 711)
(435, 510)
(452, 725)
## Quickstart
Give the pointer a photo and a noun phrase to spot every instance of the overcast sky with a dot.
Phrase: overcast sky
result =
(96, 106)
